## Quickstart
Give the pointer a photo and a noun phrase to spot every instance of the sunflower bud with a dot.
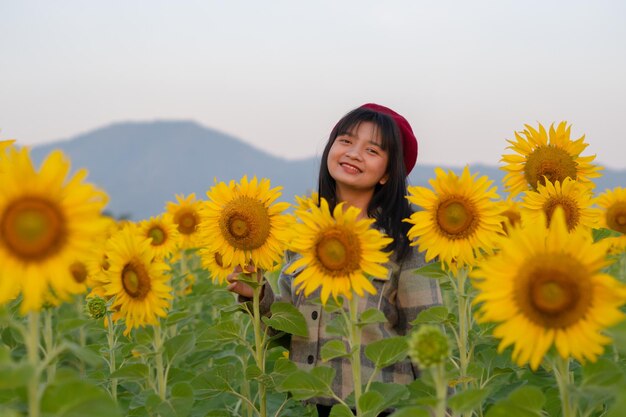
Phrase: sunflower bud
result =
(428, 346)
(96, 307)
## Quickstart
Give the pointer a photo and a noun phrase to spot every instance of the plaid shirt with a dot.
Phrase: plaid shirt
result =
(401, 296)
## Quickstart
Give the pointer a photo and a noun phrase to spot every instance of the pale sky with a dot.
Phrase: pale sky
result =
(279, 74)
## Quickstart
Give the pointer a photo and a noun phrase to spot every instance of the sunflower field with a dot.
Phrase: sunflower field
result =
(105, 317)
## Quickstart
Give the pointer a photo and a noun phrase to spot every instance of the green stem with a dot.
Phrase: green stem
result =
(464, 322)
(160, 369)
(49, 342)
(259, 348)
(82, 336)
(355, 349)
(439, 377)
(111, 339)
(563, 380)
(32, 349)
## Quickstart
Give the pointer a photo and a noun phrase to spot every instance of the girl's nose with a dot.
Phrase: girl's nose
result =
(353, 153)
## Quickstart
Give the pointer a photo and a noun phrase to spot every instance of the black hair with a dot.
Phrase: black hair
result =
(389, 205)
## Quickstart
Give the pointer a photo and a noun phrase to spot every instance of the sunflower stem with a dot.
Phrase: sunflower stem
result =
(355, 349)
(32, 349)
(464, 322)
(160, 370)
(82, 336)
(112, 340)
(563, 380)
(49, 342)
(438, 373)
(259, 349)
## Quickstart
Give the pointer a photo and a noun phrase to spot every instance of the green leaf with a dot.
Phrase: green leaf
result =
(432, 270)
(371, 403)
(287, 318)
(411, 412)
(303, 385)
(432, 315)
(86, 355)
(182, 398)
(179, 346)
(333, 349)
(77, 398)
(337, 327)
(618, 333)
(340, 410)
(372, 316)
(468, 400)
(253, 372)
(392, 393)
(250, 279)
(602, 373)
(15, 376)
(387, 351)
(131, 372)
(332, 305)
(526, 401)
(326, 374)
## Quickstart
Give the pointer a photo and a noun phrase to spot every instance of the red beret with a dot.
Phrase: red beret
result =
(409, 141)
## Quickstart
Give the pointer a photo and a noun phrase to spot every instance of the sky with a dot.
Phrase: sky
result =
(279, 74)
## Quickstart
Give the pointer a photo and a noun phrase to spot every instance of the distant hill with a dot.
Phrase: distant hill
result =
(145, 164)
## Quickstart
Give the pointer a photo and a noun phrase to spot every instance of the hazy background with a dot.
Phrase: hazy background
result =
(278, 74)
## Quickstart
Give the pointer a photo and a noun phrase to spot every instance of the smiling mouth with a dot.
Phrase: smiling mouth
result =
(350, 168)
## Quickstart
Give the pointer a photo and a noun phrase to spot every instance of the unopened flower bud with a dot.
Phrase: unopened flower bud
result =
(428, 346)
(96, 307)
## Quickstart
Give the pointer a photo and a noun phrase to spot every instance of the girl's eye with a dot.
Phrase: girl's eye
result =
(373, 151)
(343, 140)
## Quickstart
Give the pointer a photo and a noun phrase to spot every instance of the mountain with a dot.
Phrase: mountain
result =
(143, 165)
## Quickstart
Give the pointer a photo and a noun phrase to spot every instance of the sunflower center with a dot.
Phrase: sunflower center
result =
(33, 228)
(569, 206)
(187, 222)
(158, 235)
(338, 251)
(79, 272)
(135, 280)
(245, 223)
(616, 217)
(554, 290)
(550, 162)
(456, 218)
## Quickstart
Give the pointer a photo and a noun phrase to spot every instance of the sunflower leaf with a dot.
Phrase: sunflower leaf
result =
(372, 316)
(433, 315)
(340, 410)
(432, 270)
(333, 349)
(287, 318)
(371, 404)
(387, 351)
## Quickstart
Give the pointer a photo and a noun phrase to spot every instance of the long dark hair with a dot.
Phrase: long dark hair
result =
(388, 205)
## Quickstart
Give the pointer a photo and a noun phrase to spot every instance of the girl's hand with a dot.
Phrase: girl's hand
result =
(242, 288)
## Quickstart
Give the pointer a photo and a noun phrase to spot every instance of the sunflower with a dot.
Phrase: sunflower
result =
(216, 266)
(242, 223)
(459, 218)
(542, 155)
(611, 214)
(136, 280)
(47, 223)
(186, 216)
(545, 286)
(338, 251)
(512, 212)
(572, 196)
(163, 234)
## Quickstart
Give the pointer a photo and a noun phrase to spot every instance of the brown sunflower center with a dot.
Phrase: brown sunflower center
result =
(456, 218)
(245, 223)
(569, 206)
(338, 251)
(551, 162)
(513, 218)
(158, 235)
(135, 280)
(554, 290)
(187, 221)
(33, 228)
(616, 217)
(79, 272)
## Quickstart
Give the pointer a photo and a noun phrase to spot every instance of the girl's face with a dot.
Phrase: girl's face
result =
(356, 161)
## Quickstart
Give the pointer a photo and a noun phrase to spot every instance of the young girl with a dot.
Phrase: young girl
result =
(365, 164)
